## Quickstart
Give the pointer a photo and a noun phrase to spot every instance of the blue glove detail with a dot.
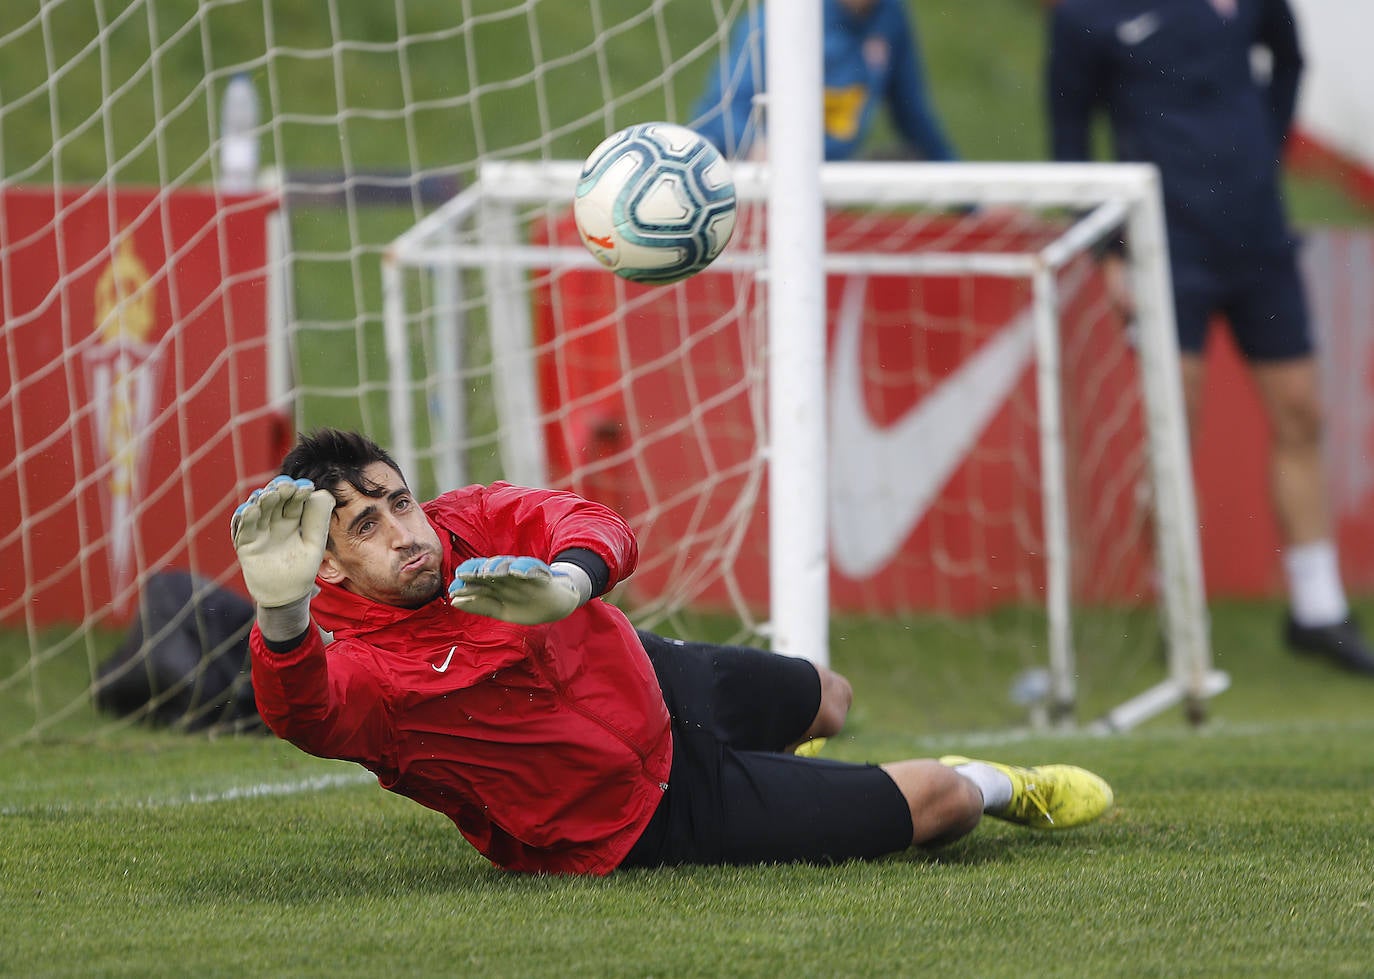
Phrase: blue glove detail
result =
(519, 589)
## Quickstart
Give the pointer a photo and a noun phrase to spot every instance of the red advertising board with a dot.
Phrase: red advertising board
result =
(658, 414)
(654, 415)
(135, 407)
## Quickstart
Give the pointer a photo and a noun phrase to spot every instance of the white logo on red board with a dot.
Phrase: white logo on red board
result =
(884, 479)
(123, 372)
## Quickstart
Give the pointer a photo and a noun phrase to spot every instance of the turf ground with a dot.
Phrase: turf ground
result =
(1243, 848)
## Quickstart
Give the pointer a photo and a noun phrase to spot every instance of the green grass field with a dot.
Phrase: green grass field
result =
(1242, 848)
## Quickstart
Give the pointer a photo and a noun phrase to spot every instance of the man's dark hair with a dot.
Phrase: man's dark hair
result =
(329, 457)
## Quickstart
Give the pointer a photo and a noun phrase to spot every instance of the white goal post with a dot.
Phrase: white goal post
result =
(484, 231)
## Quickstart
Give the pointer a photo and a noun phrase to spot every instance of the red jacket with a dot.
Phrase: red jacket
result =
(548, 745)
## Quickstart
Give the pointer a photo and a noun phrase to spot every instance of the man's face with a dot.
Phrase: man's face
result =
(383, 547)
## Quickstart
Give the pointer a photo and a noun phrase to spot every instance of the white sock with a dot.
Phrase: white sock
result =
(995, 785)
(1314, 584)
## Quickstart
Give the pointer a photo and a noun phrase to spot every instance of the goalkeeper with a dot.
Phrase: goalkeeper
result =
(475, 669)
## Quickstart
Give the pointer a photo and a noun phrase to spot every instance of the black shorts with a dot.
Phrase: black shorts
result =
(1262, 297)
(733, 796)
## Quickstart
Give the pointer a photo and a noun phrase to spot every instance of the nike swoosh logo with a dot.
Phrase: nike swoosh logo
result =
(447, 659)
(1132, 32)
(883, 480)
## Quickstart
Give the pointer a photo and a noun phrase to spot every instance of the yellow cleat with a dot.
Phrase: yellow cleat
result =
(809, 749)
(1048, 796)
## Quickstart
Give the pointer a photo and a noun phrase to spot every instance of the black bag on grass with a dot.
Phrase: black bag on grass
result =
(184, 662)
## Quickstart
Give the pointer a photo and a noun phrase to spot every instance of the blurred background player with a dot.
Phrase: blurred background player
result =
(872, 57)
(1182, 89)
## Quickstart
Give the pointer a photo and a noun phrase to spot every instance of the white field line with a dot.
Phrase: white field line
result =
(317, 783)
(1219, 730)
(928, 745)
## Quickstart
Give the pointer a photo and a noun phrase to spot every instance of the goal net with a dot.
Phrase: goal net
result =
(221, 223)
(1006, 465)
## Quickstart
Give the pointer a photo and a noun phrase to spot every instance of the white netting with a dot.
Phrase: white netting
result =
(167, 327)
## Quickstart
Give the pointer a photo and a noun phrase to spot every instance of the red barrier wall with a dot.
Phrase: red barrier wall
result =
(625, 434)
(666, 435)
(134, 411)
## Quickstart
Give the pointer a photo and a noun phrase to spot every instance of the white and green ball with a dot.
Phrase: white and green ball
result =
(655, 203)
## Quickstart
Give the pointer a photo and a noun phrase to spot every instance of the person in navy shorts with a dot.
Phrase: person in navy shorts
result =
(1180, 89)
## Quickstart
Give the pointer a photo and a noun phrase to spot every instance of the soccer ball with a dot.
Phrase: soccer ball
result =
(655, 203)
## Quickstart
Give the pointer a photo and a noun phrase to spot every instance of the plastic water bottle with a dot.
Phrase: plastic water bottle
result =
(238, 148)
(1031, 689)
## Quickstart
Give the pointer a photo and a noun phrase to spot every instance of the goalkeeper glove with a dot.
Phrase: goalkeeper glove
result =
(523, 590)
(279, 533)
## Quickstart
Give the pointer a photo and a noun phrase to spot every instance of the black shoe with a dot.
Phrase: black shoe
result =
(1340, 643)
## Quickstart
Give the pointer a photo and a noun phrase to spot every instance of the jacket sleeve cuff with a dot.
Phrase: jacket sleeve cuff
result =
(285, 624)
(589, 561)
